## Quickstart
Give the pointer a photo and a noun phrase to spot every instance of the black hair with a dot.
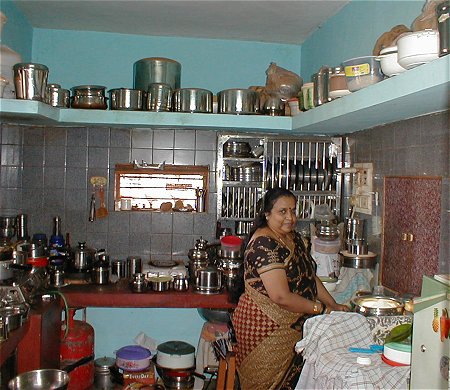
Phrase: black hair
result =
(270, 197)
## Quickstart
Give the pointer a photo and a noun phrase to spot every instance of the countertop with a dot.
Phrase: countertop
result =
(121, 295)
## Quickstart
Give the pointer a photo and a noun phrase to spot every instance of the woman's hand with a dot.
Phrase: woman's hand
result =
(338, 307)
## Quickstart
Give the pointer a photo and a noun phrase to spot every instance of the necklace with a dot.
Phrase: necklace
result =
(278, 237)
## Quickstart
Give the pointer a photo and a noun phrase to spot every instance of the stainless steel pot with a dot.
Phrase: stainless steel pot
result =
(6, 272)
(236, 149)
(57, 97)
(375, 305)
(40, 380)
(139, 283)
(208, 280)
(180, 283)
(238, 101)
(156, 70)
(30, 81)
(358, 261)
(12, 316)
(127, 99)
(159, 97)
(160, 283)
(82, 259)
(100, 274)
(89, 97)
(192, 100)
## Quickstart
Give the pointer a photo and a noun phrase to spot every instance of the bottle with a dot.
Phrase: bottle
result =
(8, 58)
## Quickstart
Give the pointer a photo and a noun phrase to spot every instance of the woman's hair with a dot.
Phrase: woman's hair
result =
(270, 197)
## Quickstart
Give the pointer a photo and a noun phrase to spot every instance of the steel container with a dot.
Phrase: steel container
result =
(57, 97)
(192, 100)
(375, 305)
(159, 97)
(30, 81)
(156, 70)
(89, 97)
(208, 280)
(238, 101)
(127, 99)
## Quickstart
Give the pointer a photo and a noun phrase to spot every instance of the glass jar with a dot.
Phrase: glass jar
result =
(337, 83)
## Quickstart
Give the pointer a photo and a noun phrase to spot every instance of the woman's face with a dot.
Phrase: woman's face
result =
(282, 217)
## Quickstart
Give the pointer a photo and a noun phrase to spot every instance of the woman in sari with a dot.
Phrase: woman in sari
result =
(281, 292)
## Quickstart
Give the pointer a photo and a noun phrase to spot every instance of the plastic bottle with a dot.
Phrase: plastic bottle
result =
(8, 58)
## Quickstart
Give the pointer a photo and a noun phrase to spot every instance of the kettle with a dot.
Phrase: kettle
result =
(82, 260)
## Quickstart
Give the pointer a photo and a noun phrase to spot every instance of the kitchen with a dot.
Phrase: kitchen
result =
(416, 147)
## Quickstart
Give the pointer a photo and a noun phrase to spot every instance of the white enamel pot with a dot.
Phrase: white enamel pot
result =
(417, 48)
(389, 61)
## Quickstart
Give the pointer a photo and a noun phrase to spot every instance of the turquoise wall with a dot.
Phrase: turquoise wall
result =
(108, 59)
(354, 31)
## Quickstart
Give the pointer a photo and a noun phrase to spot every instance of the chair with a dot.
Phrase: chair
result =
(226, 375)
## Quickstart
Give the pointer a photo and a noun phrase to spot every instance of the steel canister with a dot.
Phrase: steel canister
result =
(134, 265)
(30, 81)
(103, 379)
(321, 80)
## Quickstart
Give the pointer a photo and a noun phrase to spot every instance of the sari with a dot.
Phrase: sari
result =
(266, 333)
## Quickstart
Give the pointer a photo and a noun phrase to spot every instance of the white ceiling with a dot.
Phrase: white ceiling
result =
(272, 21)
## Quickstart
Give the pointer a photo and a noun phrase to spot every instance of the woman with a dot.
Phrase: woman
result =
(281, 291)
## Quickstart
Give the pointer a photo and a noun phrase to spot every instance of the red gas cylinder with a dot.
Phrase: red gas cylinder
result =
(77, 345)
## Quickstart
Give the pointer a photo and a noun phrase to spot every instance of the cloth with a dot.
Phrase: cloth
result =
(329, 364)
(350, 281)
(266, 333)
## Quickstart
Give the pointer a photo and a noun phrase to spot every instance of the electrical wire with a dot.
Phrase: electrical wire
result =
(66, 310)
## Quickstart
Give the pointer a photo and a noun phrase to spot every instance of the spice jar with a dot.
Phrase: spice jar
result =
(337, 83)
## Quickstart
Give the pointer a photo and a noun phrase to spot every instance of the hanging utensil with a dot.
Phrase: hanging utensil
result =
(92, 208)
(102, 211)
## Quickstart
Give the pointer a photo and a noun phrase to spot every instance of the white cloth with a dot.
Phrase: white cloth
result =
(329, 364)
(350, 281)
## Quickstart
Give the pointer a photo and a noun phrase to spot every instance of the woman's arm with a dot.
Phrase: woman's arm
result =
(276, 285)
(324, 296)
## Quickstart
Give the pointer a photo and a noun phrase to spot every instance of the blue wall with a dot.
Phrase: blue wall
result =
(354, 31)
(108, 59)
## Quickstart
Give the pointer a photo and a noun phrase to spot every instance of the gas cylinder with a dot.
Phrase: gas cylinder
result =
(77, 344)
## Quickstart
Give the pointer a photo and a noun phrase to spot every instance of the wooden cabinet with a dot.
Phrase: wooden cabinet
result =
(411, 236)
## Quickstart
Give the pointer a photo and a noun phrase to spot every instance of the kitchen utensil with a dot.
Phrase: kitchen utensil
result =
(103, 379)
(30, 81)
(92, 212)
(374, 305)
(417, 48)
(133, 358)
(192, 100)
(443, 17)
(273, 106)
(362, 72)
(176, 378)
(208, 280)
(233, 148)
(200, 199)
(238, 101)
(321, 80)
(337, 83)
(102, 211)
(44, 379)
(180, 282)
(156, 70)
(357, 247)
(57, 97)
(127, 99)
(217, 316)
(83, 257)
(119, 268)
(389, 61)
(100, 273)
(160, 283)
(139, 283)
(12, 316)
(159, 97)
(358, 261)
(134, 265)
(175, 355)
(326, 246)
(354, 228)
(89, 97)
(398, 352)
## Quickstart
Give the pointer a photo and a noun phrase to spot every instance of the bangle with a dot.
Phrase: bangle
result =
(316, 309)
(324, 309)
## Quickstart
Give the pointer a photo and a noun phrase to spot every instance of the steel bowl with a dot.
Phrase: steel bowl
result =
(238, 101)
(40, 379)
(192, 100)
(377, 305)
(217, 316)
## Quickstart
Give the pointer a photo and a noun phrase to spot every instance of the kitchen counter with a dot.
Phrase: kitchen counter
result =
(121, 295)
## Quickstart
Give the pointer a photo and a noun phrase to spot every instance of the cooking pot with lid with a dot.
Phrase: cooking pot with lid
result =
(208, 280)
(175, 355)
(192, 100)
(238, 101)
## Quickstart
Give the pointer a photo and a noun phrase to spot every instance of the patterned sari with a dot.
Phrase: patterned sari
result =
(266, 333)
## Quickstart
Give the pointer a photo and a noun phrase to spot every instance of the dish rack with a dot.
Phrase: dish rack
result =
(307, 165)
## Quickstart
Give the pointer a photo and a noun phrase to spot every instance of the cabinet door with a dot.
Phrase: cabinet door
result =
(411, 234)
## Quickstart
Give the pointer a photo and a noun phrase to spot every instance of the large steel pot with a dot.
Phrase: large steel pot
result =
(238, 101)
(192, 100)
(156, 70)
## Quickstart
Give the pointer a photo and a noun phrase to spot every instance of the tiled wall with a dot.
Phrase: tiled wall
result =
(45, 173)
(414, 147)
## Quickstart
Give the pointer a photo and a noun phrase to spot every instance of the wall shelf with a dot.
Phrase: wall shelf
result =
(419, 91)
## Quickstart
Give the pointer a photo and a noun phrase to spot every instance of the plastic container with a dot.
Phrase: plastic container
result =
(326, 246)
(231, 243)
(307, 96)
(362, 72)
(389, 61)
(337, 84)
